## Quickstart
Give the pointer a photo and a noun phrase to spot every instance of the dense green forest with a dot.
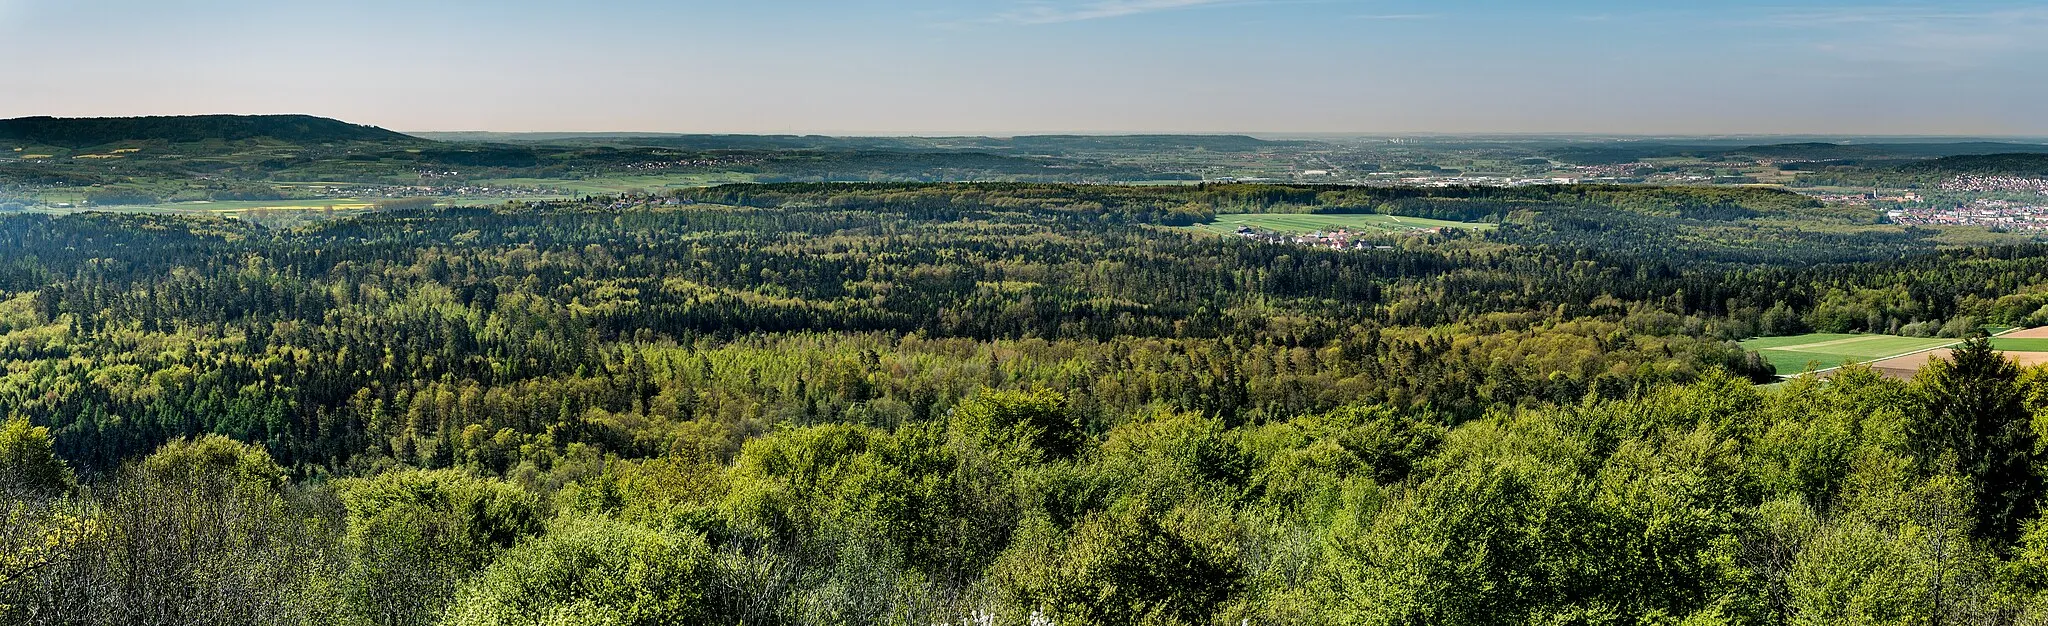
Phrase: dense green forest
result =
(1743, 226)
(1877, 151)
(88, 132)
(1985, 164)
(1010, 404)
(1026, 144)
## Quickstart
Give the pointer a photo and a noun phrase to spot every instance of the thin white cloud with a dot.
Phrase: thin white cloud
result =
(1050, 13)
(1892, 15)
(1397, 17)
(1925, 38)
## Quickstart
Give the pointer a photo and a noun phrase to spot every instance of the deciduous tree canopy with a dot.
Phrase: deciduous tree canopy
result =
(1017, 404)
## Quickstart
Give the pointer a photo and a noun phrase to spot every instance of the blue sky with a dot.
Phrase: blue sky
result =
(1011, 66)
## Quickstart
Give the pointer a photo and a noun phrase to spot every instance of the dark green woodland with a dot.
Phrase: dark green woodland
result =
(1013, 403)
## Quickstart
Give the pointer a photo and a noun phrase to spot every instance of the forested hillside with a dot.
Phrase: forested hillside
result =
(86, 132)
(1009, 404)
(2005, 164)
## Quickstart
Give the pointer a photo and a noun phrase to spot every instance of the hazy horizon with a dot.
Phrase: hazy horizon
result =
(1013, 67)
(998, 134)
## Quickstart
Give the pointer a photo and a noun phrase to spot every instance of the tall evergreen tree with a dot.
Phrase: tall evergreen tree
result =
(1975, 423)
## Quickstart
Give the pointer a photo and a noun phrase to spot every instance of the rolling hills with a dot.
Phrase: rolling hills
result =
(2010, 164)
(77, 133)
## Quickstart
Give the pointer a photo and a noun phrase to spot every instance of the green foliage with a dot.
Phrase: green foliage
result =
(1039, 420)
(592, 573)
(1975, 423)
(119, 197)
(214, 460)
(28, 459)
(1180, 206)
(1128, 566)
(247, 192)
(2010, 164)
(1487, 537)
(84, 132)
(202, 532)
(829, 404)
(1904, 556)
(414, 535)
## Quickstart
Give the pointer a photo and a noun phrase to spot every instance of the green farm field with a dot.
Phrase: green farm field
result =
(237, 207)
(2020, 345)
(1307, 223)
(612, 184)
(1793, 354)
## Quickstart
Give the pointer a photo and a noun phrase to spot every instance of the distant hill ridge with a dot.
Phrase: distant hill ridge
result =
(1614, 154)
(1815, 150)
(1986, 165)
(1034, 144)
(84, 132)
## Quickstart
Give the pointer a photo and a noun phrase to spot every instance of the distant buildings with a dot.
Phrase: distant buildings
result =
(2012, 211)
(2003, 214)
(1866, 198)
(1484, 181)
(1995, 184)
(1389, 180)
(1334, 240)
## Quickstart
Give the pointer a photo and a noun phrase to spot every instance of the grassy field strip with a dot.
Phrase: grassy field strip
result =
(1295, 223)
(1809, 347)
(1794, 354)
(2020, 345)
(306, 204)
(1762, 343)
(1838, 350)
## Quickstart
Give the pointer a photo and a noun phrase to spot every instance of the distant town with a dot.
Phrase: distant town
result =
(2024, 206)
(1340, 239)
(1390, 178)
(2003, 214)
(1995, 184)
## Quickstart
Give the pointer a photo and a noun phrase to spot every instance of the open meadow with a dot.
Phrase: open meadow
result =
(243, 208)
(1296, 223)
(2020, 344)
(622, 183)
(1898, 357)
(1802, 353)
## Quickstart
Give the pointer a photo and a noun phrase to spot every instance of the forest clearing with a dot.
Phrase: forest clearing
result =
(1898, 357)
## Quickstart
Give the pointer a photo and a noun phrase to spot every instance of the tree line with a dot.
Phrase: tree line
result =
(941, 407)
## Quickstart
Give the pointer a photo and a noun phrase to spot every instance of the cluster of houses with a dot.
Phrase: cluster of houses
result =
(1483, 181)
(631, 201)
(1866, 198)
(1611, 170)
(1390, 178)
(737, 160)
(1334, 240)
(1995, 184)
(419, 191)
(1992, 213)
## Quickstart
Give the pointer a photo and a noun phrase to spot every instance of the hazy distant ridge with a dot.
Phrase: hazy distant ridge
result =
(1986, 165)
(1816, 151)
(1030, 144)
(94, 131)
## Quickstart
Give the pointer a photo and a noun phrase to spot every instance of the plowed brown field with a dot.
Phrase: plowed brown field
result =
(1906, 366)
